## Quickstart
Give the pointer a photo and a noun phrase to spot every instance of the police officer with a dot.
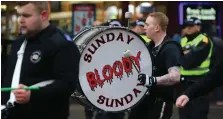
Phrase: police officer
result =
(46, 55)
(166, 56)
(197, 49)
(202, 87)
(138, 27)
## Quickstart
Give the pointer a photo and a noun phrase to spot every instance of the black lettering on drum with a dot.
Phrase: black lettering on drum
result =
(120, 36)
(136, 91)
(118, 102)
(128, 100)
(87, 58)
(94, 50)
(111, 103)
(101, 99)
(102, 41)
(130, 39)
(110, 38)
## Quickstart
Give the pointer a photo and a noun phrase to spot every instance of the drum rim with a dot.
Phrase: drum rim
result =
(147, 90)
(82, 32)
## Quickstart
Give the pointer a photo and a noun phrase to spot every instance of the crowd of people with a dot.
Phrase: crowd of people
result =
(192, 61)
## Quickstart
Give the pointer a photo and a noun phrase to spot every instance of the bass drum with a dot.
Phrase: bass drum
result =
(107, 74)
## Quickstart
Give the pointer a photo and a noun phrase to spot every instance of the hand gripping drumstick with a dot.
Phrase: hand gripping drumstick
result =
(127, 54)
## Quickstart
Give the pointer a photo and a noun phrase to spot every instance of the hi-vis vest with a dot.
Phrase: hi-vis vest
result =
(145, 38)
(204, 66)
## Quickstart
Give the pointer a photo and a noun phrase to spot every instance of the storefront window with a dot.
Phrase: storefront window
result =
(112, 12)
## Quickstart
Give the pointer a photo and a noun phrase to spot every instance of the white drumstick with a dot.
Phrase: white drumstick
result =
(128, 15)
(128, 54)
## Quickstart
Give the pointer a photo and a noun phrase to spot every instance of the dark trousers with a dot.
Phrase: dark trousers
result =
(196, 109)
(109, 115)
(151, 109)
(88, 113)
(103, 115)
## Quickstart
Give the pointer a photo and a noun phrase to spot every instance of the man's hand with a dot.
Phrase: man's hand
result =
(22, 96)
(146, 80)
(182, 101)
(186, 51)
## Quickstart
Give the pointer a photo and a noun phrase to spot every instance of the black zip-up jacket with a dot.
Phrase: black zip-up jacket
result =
(207, 84)
(48, 55)
(164, 56)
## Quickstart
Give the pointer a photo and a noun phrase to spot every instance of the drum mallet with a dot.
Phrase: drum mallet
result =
(127, 54)
(128, 15)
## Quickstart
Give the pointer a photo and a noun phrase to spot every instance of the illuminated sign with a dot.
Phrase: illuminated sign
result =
(201, 13)
(205, 11)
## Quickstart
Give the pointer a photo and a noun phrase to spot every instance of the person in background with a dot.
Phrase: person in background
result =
(181, 33)
(197, 48)
(202, 87)
(138, 27)
(46, 55)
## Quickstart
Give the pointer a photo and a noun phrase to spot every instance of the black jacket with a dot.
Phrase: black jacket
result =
(211, 81)
(164, 56)
(59, 60)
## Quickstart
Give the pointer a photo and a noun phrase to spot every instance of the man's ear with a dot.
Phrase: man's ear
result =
(45, 15)
(157, 28)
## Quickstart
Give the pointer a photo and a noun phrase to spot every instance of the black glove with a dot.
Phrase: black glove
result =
(146, 80)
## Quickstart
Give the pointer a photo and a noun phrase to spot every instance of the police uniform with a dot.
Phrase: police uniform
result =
(141, 23)
(196, 64)
(159, 104)
(145, 38)
(48, 55)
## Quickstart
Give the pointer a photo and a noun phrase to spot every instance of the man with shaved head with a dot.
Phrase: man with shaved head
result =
(44, 57)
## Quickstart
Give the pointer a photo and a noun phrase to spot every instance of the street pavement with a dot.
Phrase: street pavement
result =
(77, 112)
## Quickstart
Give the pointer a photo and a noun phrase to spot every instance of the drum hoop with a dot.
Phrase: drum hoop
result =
(88, 39)
(81, 51)
(148, 89)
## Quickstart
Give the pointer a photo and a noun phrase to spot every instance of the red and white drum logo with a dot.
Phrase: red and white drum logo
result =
(107, 78)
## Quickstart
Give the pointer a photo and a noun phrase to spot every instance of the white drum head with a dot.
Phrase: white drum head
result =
(107, 78)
